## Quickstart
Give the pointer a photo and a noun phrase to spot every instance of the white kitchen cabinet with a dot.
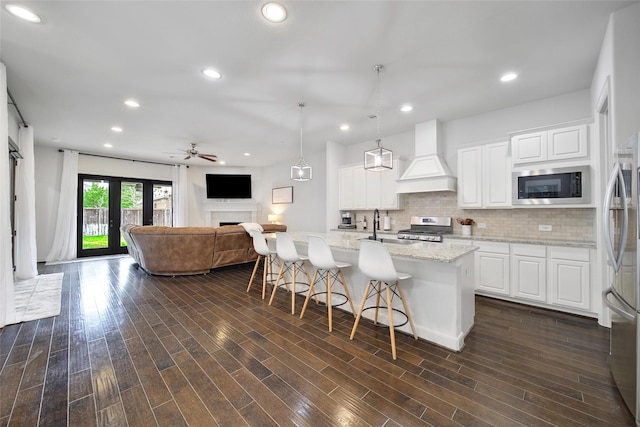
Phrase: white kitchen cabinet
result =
(366, 190)
(470, 177)
(528, 272)
(565, 143)
(352, 188)
(569, 281)
(492, 267)
(484, 176)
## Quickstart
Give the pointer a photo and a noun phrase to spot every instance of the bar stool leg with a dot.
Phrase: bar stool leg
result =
(364, 300)
(392, 332)
(306, 300)
(406, 310)
(346, 292)
(255, 268)
(329, 307)
(293, 290)
(378, 292)
(275, 286)
(266, 272)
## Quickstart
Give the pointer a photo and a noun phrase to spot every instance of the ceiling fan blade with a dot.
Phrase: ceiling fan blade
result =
(188, 157)
(210, 157)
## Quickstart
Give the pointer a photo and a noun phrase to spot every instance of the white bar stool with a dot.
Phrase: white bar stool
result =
(376, 263)
(329, 271)
(290, 261)
(267, 256)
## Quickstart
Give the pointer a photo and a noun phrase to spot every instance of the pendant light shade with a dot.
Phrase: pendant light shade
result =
(301, 170)
(378, 158)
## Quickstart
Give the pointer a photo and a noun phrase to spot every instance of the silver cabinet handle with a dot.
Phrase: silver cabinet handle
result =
(630, 317)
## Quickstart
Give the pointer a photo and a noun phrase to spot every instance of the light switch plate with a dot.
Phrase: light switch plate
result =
(544, 227)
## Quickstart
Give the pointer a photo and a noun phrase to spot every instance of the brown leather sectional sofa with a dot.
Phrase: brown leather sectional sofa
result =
(172, 251)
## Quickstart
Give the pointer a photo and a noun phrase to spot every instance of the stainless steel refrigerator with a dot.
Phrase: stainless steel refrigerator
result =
(621, 224)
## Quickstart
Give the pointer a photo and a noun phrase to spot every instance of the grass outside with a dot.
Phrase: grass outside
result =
(96, 242)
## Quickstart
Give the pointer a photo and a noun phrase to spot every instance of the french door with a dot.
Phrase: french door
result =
(105, 203)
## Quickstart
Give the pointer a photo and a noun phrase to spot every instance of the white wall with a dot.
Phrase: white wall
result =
(308, 211)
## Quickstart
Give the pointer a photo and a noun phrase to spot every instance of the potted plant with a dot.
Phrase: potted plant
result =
(466, 224)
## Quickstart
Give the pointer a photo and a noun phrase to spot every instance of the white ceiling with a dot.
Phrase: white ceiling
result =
(71, 73)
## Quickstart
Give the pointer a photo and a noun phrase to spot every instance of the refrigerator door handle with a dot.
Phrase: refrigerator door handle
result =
(616, 176)
(630, 317)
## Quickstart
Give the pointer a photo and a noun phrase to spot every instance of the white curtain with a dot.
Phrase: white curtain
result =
(26, 249)
(179, 195)
(7, 309)
(64, 238)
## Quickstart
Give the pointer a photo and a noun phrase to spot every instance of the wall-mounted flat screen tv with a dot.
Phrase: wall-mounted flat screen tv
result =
(221, 186)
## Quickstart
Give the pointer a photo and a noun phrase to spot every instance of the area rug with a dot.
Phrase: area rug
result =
(39, 297)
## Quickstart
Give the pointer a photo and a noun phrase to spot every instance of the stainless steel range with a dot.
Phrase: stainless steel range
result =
(427, 228)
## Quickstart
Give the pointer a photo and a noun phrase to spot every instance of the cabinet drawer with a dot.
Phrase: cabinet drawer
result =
(493, 247)
(573, 254)
(539, 251)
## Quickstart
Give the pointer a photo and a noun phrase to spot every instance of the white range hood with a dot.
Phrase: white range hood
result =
(427, 171)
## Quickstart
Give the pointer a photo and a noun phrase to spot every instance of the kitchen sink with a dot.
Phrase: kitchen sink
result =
(393, 241)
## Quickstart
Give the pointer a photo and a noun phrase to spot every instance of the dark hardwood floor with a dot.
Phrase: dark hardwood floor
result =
(133, 349)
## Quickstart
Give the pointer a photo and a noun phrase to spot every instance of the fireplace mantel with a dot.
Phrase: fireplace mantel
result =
(240, 211)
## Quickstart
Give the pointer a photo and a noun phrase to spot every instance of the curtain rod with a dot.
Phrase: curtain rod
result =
(13, 102)
(122, 158)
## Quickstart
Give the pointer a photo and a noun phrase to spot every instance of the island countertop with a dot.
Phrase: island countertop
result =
(439, 294)
(436, 252)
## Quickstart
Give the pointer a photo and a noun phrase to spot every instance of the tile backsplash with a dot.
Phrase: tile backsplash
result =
(567, 224)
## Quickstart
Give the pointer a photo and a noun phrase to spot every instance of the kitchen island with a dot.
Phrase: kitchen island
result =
(440, 294)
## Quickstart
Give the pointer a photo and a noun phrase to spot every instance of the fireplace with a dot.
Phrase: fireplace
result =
(219, 213)
(229, 223)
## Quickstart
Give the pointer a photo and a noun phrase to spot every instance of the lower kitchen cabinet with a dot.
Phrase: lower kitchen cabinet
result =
(569, 277)
(528, 272)
(555, 277)
(492, 267)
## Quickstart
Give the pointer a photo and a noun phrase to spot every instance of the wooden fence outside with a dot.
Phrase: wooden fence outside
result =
(96, 220)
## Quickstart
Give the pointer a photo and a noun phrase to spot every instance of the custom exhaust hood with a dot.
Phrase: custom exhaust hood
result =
(427, 171)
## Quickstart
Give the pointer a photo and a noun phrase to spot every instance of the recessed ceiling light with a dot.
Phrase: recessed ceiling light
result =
(131, 103)
(116, 128)
(406, 108)
(211, 73)
(23, 13)
(108, 145)
(274, 12)
(344, 127)
(222, 162)
(247, 154)
(508, 77)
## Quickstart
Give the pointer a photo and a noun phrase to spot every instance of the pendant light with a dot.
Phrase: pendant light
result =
(301, 170)
(378, 158)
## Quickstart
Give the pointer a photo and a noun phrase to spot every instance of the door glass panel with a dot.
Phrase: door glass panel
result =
(95, 214)
(130, 205)
(162, 205)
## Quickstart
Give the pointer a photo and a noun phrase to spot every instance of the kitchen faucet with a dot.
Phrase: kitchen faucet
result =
(376, 223)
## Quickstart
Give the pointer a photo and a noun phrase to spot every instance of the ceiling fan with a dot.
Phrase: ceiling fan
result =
(192, 152)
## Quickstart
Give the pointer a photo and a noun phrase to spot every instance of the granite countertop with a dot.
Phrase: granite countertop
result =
(528, 241)
(546, 242)
(437, 252)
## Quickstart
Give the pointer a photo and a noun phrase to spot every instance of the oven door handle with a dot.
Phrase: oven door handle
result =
(630, 317)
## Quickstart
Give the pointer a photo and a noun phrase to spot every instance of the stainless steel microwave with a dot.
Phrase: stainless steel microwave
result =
(556, 186)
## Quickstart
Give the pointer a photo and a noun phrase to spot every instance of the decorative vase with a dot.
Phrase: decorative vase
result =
(466, 230)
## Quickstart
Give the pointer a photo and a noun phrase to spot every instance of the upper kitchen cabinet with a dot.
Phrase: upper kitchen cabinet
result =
(566, 143)
(366, 190)
(484, 176)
